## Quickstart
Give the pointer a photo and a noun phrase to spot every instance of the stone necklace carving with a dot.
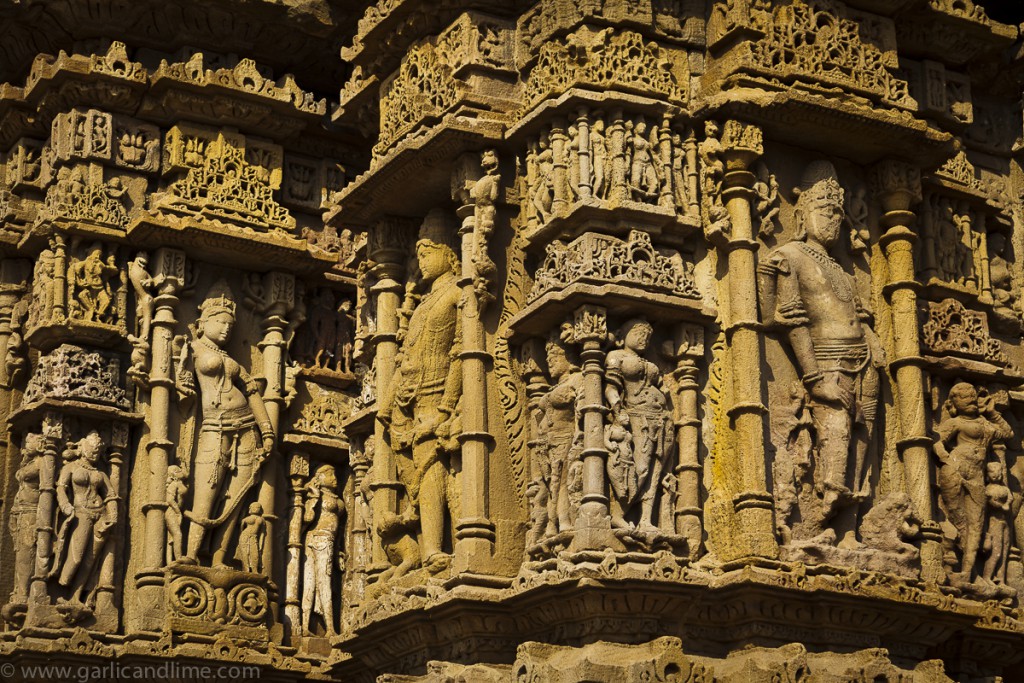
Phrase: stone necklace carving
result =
(834, 273)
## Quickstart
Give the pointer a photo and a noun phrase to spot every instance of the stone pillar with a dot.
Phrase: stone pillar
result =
(278, 301)
(298, 471)
(386, 251)
(692, 176)
(108, 589)
(586, 188)
(60, 280)
(593, 525)
(752, 502)
(474, 531)
(898, 187)
(53, 434)
(688, 510)
(617, 192)
(169, 272)
(560, 169)
(664, 148)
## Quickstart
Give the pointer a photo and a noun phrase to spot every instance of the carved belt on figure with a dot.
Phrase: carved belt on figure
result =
(232, 424)
(846, 356)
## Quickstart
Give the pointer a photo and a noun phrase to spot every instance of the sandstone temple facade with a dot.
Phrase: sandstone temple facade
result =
(513, 340)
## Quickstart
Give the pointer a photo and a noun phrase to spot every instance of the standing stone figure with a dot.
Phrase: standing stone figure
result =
(636, 398)
(419, 410)
(176, 490)
(967, 432)
(251, 539)
(324, 506)
(24, 511)
(809, 295)
(88, 503)
(235, 434)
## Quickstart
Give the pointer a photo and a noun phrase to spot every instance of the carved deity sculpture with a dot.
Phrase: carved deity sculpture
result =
(809, 295)
(325, 507)
(235, 433)
(176, 490)
(996, 546)
(41, 307)
(91, 280)
(1000, 275)
(88, 504)
(638, 402)
(252, 538)
(558, 443)
(598, 158)
(644, 173)
(969, 428)
(543, 192)
(419, 410)
(24, 515)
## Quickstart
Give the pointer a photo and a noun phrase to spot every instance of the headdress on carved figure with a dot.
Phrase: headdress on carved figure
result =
(218, 300)
(819, 186)
(439, 228)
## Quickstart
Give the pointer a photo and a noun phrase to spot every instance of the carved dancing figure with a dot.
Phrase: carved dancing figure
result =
(235, 434)
(24, 515)
(143, 284)
(543, 194)
(813, 299)
(420, 409)
(634, 387)
(572, 152)
(88, 502)
(644, 176)
(90, 280)
(324, 506)
(967, 432)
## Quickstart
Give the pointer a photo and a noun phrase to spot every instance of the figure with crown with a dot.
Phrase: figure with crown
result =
(808, 296)
(234, 430)
(420, 408)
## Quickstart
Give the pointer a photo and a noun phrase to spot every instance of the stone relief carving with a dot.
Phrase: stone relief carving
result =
(598, 259)
(325, 507)
(232, 430)
(972, 484)
(421, 409)
(612, 157)
(952, 329)
(823, 427)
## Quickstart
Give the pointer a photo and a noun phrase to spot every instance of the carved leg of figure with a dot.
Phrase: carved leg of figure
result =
(239, 486)
(323, 589)
(173, 536)
(77, 548)
(24, 554)
(559, 503)
(974, 508)
(951, 488)
(207, 481)
(869, 405)
(309, 592)
(432, 508)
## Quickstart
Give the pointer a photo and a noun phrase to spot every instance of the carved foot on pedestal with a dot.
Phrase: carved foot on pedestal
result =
(437, 563)
(14, 613)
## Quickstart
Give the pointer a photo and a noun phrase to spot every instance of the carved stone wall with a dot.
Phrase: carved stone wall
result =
(543, 340)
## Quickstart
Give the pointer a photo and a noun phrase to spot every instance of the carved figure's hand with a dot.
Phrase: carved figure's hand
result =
(68, 509)
(828, 391)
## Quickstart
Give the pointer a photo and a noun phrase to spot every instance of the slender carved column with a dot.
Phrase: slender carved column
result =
(384, 249)
(688, 510)
(692, 177)
(60, 279)
(170, 276)
(277, 302)
(586, 188)
(560, 169)
(360, 552)
(617, 137)
(593, 526)
(474, 531)
(665, 197)
(108, 588)
(53, 433)
(898, 187)
(753, 504)
(298, 472)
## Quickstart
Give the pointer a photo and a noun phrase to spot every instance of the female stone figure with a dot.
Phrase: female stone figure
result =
(23, 519)
(633, 386)
(89, 504)
(235, 434)
(559, 429)
(966, 434)
(317, 596)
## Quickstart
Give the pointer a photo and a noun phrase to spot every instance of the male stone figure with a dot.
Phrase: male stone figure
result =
(419, 408)
(807, 293)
